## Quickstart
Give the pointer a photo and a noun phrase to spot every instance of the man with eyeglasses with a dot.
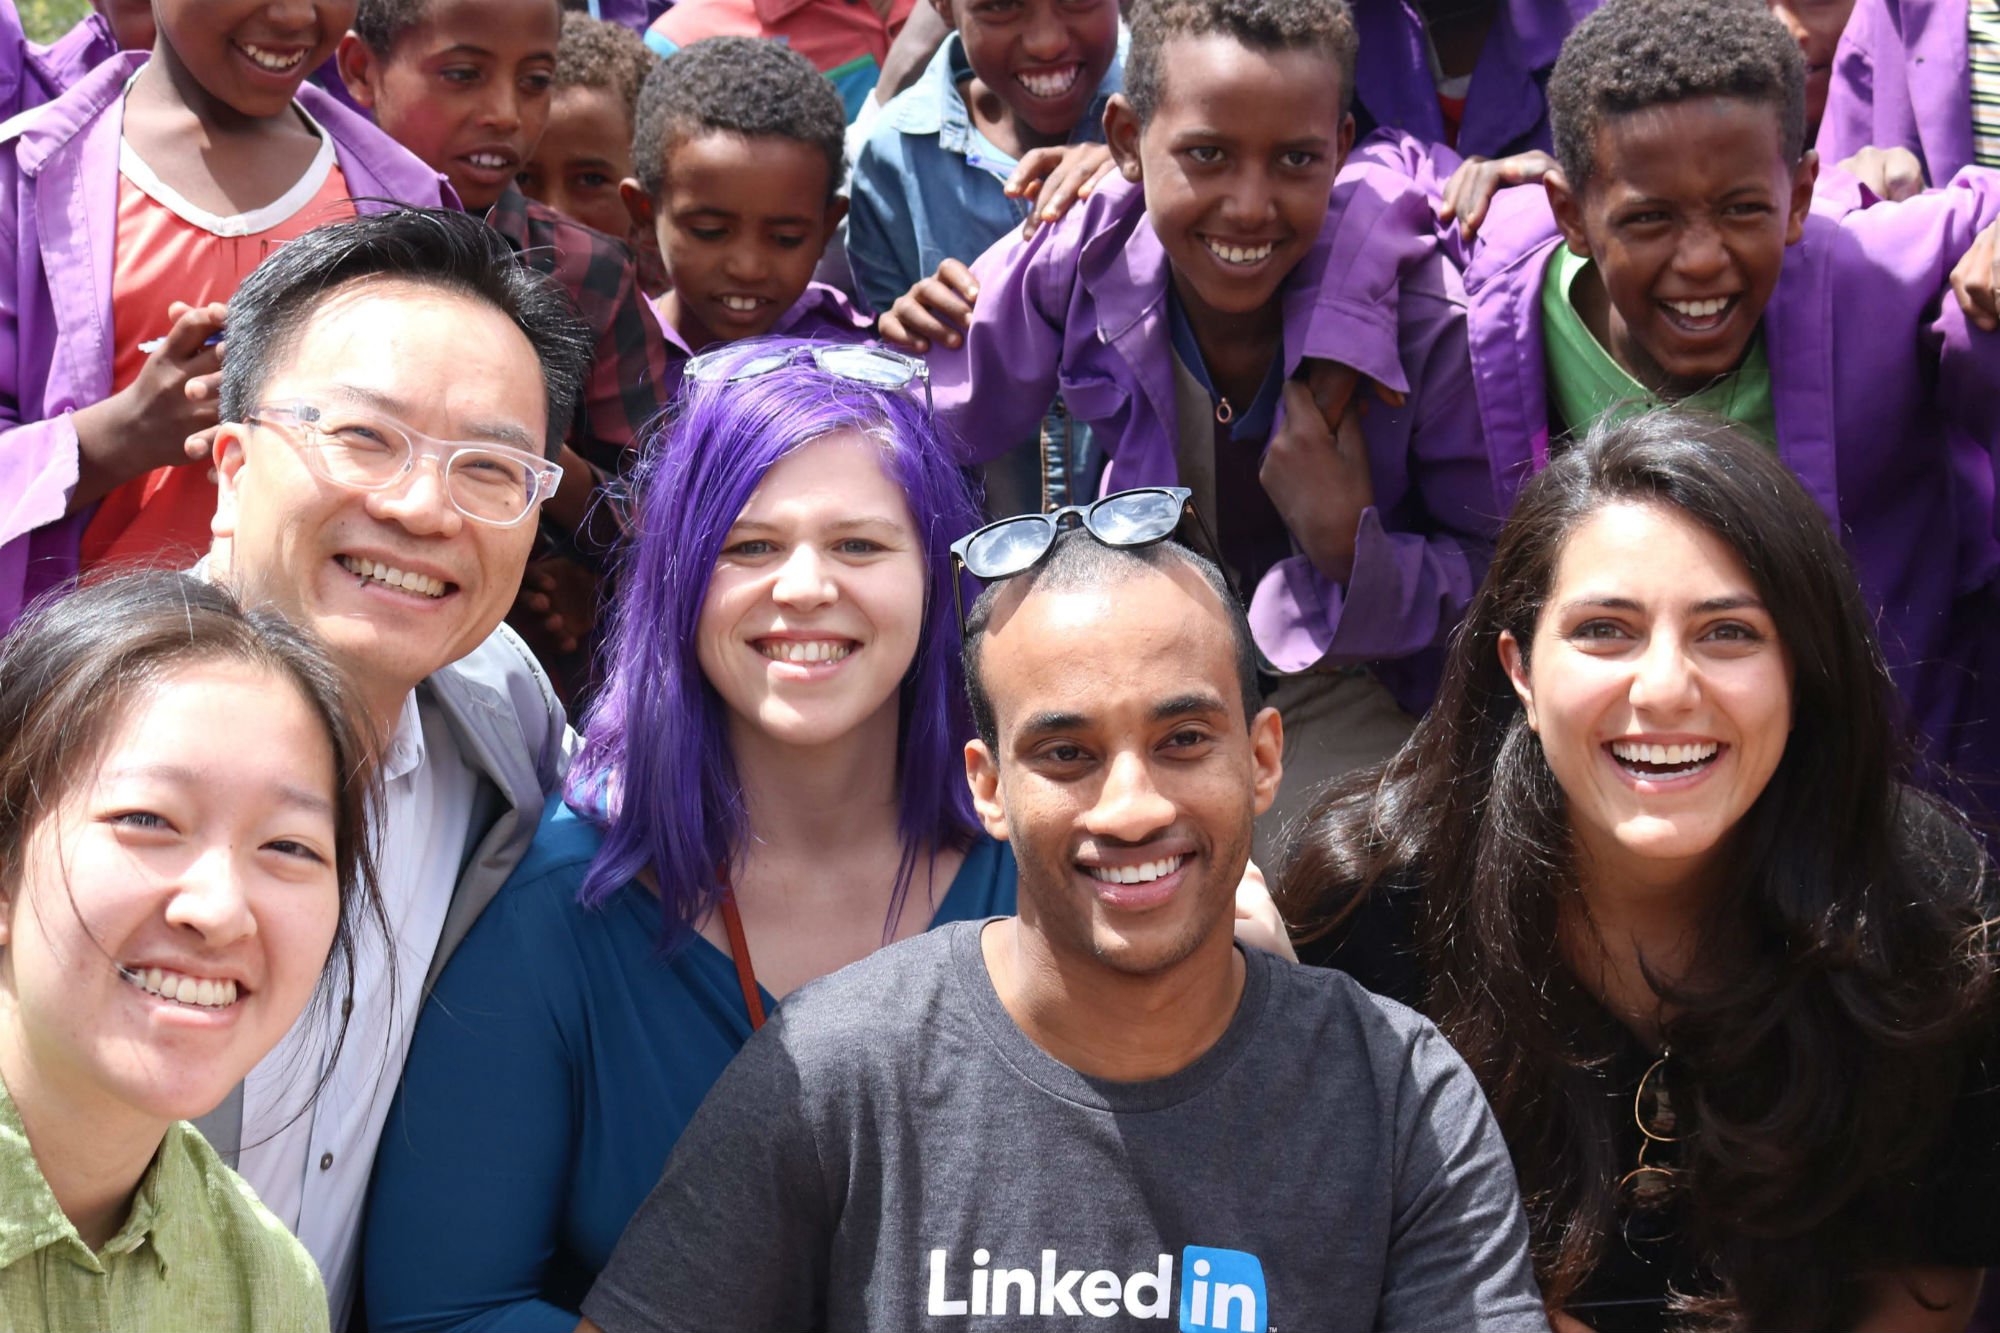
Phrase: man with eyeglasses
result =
(1100, 1107)
(395, 389)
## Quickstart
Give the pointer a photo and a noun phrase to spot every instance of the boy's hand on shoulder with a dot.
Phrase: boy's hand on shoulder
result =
(936, 310)
(153, 421)
(1892, 173)
(1316, 472)
(1056, 178)
(1976, 280)
(1470, 191)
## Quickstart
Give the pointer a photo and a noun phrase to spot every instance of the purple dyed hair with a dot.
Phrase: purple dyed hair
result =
(656, 767)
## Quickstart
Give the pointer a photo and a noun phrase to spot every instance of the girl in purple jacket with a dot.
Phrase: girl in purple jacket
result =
(101, 383)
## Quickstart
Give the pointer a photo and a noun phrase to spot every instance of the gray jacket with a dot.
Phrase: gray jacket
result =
(511, 730)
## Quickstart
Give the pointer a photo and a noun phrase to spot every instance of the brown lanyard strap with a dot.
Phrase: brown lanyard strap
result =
(739, 949)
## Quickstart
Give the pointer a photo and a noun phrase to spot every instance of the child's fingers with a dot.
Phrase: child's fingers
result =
(200, 445)
(1034, 164)
(957, 278)
(891, 329)
(203, 388)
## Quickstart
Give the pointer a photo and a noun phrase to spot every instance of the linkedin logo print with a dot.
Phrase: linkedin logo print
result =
(1221, 1289)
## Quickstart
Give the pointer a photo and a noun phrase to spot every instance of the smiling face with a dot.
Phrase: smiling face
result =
(585, 150)
(1041, 60)
(1659, 688)
(466, 90)
(1237, 161)
(741, 224)
(252, 55)
(176, 907)
(1687, 217)
(450, 366)
(1126, 778)
(816, 605)
(1816, 25)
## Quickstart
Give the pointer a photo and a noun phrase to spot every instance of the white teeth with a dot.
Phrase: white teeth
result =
(805, 650)
(422, 584)
(201, 992)
(1238, 254)
(740, 304)
(270, 60)
(1661, 756)
(1143, 873)
(492, 161)
(1052, 83)
(1701, 309)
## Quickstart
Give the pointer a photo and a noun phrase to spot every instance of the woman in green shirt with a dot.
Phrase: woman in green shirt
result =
(183, 787)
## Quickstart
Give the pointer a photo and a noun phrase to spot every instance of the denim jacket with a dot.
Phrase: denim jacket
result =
(927, 184)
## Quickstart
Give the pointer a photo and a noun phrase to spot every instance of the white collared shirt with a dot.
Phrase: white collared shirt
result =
(313, 1171)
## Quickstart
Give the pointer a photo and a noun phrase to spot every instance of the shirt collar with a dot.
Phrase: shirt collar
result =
(405, 754)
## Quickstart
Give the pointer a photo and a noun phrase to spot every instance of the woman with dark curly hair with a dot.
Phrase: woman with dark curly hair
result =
(1649, 864)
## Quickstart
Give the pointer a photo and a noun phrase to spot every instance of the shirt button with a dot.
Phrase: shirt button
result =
(326, 1161)
(347, 1006)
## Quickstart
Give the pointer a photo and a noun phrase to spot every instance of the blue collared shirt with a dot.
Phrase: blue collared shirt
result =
(927, 184)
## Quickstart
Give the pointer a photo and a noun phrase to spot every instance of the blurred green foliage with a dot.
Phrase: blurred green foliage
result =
(46, 20)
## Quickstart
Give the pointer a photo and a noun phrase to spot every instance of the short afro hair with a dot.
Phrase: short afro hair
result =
(1634, 54)
(1077, 560)
(596, 53)
(380, 24)
(1326, 26)
(751, 86)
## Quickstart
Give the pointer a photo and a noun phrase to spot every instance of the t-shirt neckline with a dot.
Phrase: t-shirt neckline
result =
(1031, 1062)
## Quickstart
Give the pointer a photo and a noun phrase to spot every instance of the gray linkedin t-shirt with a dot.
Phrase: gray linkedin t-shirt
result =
(892, 1152)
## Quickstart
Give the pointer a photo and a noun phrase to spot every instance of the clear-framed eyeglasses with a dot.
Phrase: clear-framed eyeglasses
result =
(367, 450)
(857, 363)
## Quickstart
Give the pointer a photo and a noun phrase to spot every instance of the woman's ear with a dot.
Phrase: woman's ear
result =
(1121, 135)
(1515, 663)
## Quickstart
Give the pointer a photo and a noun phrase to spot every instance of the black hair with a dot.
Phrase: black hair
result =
(1634, 54)
(431, 247)
(1326, 26)
(1818, 1057)
(72, 666)
(1078, 560)
(737, 85)
(596, 53)
(380, 24)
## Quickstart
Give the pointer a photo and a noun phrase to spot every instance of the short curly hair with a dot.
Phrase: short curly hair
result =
(750, 86)
(380, 24)
(1634, 54)
(596, 53)
(1326, 26)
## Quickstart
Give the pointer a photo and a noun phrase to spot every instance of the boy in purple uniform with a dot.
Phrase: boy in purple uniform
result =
(1904, 77)
(66, 439)
(1177, 309)
(1676, 257)
(737, 167)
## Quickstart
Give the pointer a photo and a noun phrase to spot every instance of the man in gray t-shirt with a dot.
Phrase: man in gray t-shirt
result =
(1101, 1113)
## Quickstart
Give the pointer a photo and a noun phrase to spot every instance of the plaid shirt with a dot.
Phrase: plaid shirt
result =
(622, 392)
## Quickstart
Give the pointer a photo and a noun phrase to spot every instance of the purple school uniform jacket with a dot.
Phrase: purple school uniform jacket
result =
(1505, 110)
(1081, 306)
(1887, 405)
(1902, 79)
(58, 226)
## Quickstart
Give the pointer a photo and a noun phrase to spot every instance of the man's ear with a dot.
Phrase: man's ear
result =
(1567, 205)
(982, 774)
(1267, 758)
(359, 68)
(1515, 663)
(228, 467)
(1121, 135)
(1804, 177)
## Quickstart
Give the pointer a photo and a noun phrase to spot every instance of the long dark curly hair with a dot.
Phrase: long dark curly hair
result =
(1822, 1069)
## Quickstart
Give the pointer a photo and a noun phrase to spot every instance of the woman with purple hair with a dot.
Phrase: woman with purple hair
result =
(771, 786)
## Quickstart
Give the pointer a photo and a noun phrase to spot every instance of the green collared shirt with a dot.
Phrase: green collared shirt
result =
(1586, 383)
(198, 1252)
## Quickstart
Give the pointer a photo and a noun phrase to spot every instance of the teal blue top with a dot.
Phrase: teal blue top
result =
(555, 1064)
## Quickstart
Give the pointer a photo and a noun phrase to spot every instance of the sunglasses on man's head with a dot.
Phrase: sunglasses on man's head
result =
(1016, 545)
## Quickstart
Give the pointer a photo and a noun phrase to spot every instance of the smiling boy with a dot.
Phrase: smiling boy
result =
(737, 167)
(1176, 310)
(1676, 257)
